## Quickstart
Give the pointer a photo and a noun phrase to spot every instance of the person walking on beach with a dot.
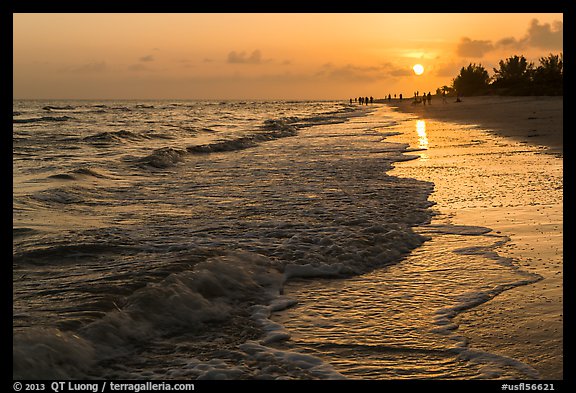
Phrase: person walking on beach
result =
(371, 100)
(429, 96)
(400, 96)
(424, 98)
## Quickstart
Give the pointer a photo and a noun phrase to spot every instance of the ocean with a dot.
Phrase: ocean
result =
(215, 239)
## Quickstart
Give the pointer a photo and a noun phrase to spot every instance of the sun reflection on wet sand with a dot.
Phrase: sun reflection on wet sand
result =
(422, 137)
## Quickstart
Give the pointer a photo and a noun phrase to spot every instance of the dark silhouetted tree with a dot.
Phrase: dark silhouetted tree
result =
(514, 76)
(548, 77)
(472, 80)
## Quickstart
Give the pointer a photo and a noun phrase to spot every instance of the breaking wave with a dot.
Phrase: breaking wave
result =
(114, 137)
(43, 119)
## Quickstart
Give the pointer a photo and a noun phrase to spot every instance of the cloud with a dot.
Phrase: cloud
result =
(539, 36)
(360, 73)
(138, 67)
(447, 69)
(473, 48)
(510, 43)
(405, 71)
(365, 73)
(95, 66)
(349, 71)
(545, 35)
(147, 58)
(241, 58)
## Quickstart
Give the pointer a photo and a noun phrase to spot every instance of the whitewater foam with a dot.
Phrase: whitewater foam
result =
(191, 252)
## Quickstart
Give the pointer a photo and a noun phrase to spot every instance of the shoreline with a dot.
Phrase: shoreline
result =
(516, 330)
(534, 120)
(518, 195)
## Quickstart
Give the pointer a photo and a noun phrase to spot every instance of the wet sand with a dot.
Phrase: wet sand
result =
(521, 198)
(481, 179)
(533, 120)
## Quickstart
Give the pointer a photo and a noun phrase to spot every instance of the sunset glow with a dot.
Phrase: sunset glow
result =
(263, 56)
(287, 196)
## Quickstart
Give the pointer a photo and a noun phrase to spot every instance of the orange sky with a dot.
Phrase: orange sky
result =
(264, 56)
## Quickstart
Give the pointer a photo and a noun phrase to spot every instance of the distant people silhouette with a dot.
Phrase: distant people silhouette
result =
(366, 100)
(400, 96)
(429, 98)
(371, 99)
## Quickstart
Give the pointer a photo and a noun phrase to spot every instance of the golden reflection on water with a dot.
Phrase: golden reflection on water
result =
(421, 131)
(422, 137)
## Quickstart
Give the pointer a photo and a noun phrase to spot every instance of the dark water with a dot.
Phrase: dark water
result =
(154, 239)
(245, 240)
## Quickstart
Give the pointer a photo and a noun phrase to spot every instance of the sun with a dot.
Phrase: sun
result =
(418, 69)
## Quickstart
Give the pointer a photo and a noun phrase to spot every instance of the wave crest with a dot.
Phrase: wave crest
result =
(165, 157)
(43, 119)
(116, 136)
(80, 173)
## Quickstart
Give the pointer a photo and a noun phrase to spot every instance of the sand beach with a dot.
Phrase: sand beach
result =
(492, 303)
(533, 120)
(518, 194)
